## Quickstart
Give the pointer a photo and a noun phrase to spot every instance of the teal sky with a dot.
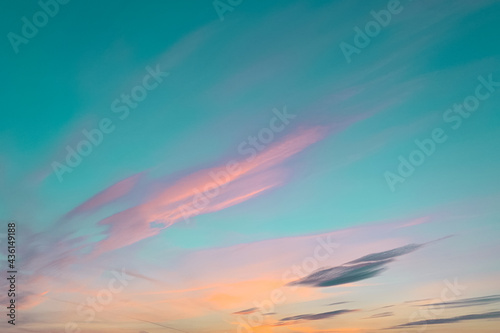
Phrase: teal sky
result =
(332, 168)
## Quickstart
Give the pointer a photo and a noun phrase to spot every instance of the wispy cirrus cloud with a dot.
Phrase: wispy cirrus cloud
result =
(252, 177)
(318, 316)
(475, 301)
(104, 197)
(479, 316)
(246, 311)
(338, 303)
(381, 315)
(362, 268)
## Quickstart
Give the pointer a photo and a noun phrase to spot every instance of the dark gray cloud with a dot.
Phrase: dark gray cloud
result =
(318, 316)
(338, 303)
(381, 315)
(383, 307)
(386, 255)
(485, 300)
(342, 274)
(488, 315)
(362, 268)
(246, 311)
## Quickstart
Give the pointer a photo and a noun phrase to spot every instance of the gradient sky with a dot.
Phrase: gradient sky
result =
(408, 252)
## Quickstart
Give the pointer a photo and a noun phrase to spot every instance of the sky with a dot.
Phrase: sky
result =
(250, 166)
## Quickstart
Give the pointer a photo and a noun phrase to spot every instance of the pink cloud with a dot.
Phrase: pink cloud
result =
(106, 196)
(251, 177)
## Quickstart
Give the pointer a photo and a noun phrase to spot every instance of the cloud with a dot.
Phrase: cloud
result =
(170, 205)
(381, 315)
(386, 255)
(485, 300)
(246, 311)
(105, 197)
(488, 315)
(318, 316)
(419, 300)
(360, 269)
(338, 303)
